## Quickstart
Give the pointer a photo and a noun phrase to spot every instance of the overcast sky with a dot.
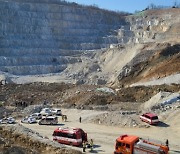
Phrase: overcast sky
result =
(125, 5)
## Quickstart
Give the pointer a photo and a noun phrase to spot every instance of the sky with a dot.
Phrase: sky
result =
(125, 5)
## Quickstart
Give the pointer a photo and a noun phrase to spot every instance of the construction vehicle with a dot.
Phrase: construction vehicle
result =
(70, 136)
(129, 144)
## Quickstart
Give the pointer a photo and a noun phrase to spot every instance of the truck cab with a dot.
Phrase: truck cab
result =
(125, 144)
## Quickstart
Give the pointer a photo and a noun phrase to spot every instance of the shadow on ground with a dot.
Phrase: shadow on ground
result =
(56, 125)
(94, 149)
(174, 151)
(162, 124)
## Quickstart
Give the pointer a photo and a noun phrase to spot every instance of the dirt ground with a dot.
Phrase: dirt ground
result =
(79, 96)
(90, 104)
(104, 136)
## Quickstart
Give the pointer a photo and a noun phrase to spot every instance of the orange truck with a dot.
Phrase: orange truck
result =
(129, 144)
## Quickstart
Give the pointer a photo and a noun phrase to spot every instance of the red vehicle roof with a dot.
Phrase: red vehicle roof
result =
(127, 139)
(68, 130)
(150, 114)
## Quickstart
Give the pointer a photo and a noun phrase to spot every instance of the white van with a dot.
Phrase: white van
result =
(49, 120)
(56, 112)
(46, 112)
(36, 115)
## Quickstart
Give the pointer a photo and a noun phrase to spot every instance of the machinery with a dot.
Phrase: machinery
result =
(129, 144)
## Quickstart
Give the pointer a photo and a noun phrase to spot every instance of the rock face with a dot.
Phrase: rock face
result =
(40, 37)
(55, 41)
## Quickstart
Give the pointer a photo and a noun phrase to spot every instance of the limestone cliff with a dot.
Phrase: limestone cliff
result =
(57, 41)
(39, 37)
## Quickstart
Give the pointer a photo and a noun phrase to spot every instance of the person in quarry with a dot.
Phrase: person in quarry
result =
(84, 146)
(91, 144)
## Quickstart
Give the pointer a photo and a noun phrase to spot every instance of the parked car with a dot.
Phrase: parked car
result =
(9, 120)
(29, 120)
(49, 120)
(37, 116)
(46, 112)
(56, 112)
(150, 118)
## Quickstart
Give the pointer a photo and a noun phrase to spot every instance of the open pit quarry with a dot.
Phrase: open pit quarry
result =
(108, 67)
(57, 41)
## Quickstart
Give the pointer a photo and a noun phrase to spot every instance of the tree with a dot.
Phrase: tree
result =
(175, 4)
(152, 6)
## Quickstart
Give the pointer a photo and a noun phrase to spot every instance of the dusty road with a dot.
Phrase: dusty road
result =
(104, 136)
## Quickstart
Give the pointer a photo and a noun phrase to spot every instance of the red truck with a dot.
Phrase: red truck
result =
(150, 118)
(129, 144)
(70, 136)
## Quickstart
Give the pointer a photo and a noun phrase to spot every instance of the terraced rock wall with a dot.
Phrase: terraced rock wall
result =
(39, 37)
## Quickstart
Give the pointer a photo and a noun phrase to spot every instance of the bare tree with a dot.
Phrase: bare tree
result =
(152, 6)
(175, 5)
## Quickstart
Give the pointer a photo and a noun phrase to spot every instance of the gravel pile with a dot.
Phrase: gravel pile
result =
(4, 111)
(116, 118)
(160, 101)
(33, 109)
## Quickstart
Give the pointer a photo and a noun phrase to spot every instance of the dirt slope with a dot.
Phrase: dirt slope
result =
(163, 61)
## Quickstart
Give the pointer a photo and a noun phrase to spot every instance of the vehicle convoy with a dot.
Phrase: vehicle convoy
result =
(70, 136)
(129, 144)
(49, 120)
(150, 118)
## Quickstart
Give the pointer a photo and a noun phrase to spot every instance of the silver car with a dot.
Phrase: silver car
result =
(56, 112)
(9, 120)
(37, 116)
(49, 120)
(29, 120)
(46, 112)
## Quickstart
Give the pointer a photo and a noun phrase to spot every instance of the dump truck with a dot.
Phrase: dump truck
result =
(129, 144)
